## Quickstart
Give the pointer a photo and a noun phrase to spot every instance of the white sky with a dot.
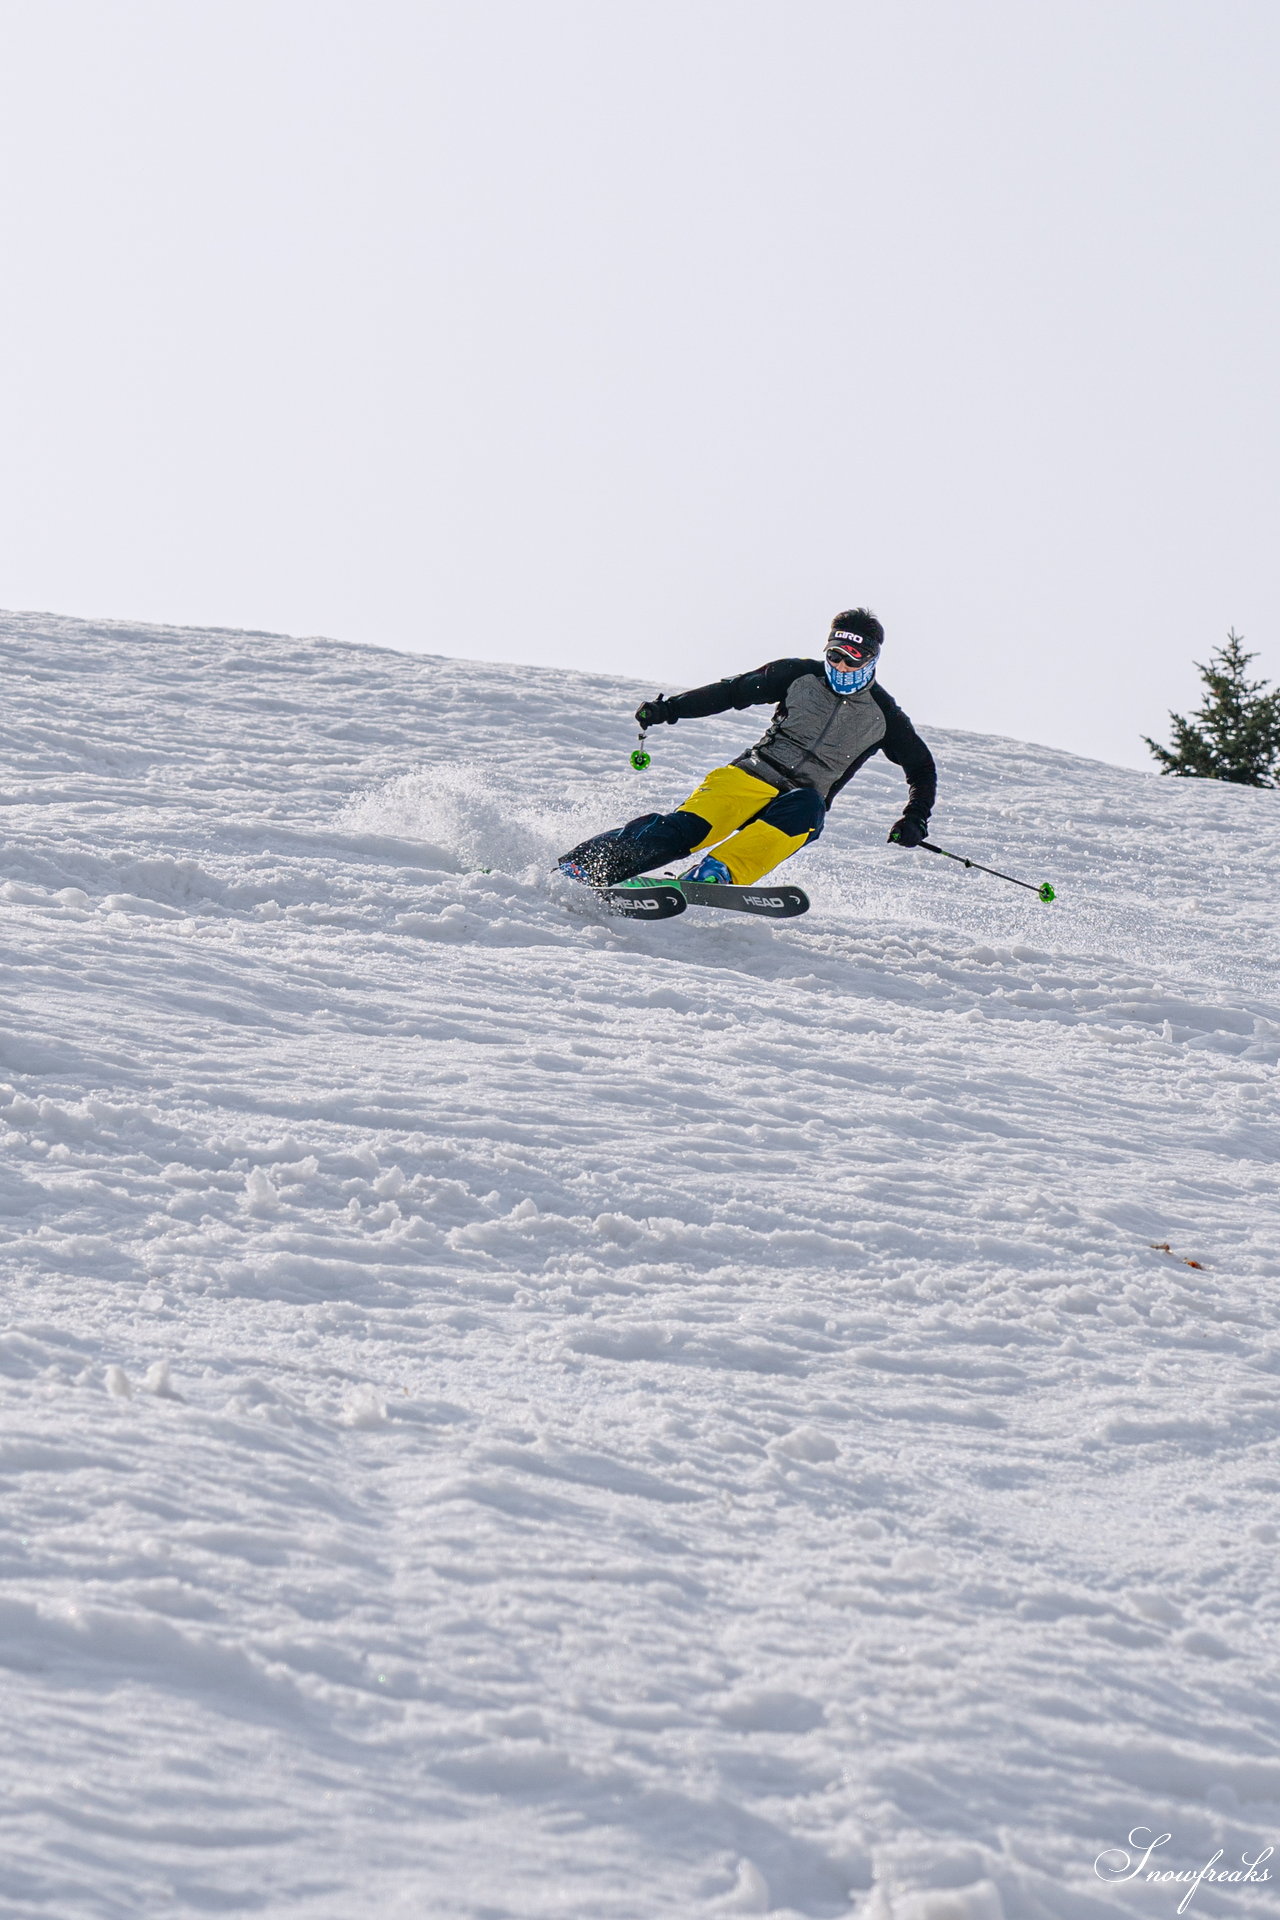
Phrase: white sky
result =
(643, 335)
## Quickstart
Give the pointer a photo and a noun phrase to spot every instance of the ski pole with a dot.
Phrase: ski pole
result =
(640, 759)
(1044, 891)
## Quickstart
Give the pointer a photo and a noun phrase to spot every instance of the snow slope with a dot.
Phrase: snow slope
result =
(511, 1413)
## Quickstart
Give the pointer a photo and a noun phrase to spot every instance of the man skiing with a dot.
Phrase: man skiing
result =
(829, 717)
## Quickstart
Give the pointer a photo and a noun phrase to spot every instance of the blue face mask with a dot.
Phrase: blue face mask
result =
(851, 680)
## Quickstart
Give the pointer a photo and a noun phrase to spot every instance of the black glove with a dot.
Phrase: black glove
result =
(653, 713)
(910, 831)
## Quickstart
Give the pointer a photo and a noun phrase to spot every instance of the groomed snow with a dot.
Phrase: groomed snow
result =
(508, 1413)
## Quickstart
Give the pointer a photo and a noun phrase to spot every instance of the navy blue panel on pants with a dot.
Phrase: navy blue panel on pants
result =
(649, 841)
(800, 811)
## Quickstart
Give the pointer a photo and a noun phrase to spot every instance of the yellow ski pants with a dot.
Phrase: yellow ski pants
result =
(727, 798)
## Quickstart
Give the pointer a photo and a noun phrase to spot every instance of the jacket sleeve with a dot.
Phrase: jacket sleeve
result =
(763, 687)
(903, 745)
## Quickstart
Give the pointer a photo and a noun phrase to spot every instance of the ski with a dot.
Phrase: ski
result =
(661, 899)
(775, 903)
(652, 900)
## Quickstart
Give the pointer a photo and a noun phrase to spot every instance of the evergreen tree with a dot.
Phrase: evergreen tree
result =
(1235, 734)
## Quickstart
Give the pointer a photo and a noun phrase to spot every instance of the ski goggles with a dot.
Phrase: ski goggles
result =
(850, 650)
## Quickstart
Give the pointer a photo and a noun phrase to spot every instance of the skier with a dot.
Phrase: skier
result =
(830, 716)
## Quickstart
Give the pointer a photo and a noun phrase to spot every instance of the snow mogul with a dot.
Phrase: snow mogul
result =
(830, 716)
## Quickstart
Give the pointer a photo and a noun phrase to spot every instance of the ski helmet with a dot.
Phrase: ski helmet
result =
(853, 648)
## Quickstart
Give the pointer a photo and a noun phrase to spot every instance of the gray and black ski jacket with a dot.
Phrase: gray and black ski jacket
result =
(817, 738)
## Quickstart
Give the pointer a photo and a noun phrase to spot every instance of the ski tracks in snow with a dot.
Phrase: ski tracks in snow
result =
(506, 1412)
